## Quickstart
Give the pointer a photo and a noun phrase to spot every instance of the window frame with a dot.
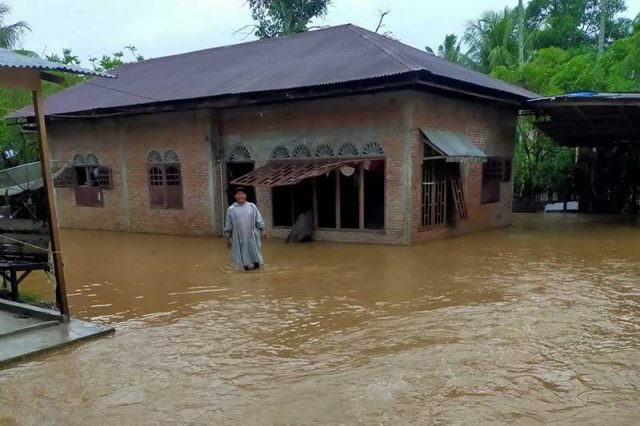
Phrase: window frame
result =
(89, 193)
(158, 184)
(494, 174)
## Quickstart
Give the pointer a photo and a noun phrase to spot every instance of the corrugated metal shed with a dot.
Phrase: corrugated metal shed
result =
(341, 54)
(453, 145)
(589, 119)
(9, 59)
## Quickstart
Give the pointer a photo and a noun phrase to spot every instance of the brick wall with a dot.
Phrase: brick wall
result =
(490, 128)
(380, 118)
(123, 144)
(391, 119)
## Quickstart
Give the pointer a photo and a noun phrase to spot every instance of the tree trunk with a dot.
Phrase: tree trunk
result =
(520, 33)
(602, 27)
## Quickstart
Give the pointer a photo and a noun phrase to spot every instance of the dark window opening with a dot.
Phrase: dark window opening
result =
(374, 196)
(236, 170)
(282, 200)
(493, 174)
(289, 202)
(349, 197)
(82, 178)
(326, 200)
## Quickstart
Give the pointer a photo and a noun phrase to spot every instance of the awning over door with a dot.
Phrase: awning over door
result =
(452, 145)
(290, 172)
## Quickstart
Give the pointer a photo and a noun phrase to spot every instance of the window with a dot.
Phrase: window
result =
(165, 180)
(89, 179)
(443, 201)
(494, 171)
(291, 201)
(352, 197)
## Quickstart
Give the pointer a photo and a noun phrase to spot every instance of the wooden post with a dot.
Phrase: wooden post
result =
(61, 288)
(338, 214)
(361, 196)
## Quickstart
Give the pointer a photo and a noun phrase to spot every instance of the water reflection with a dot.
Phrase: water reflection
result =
(535, 323)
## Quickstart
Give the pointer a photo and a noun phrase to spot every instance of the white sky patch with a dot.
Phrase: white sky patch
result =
(165, 27)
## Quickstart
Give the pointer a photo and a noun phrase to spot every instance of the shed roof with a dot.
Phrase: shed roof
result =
(335, 55)
(453, 145)
(9, 59)
(589, 119)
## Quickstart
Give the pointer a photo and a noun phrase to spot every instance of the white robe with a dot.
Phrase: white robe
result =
(244, 223)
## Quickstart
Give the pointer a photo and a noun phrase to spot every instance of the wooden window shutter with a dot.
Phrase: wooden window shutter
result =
(156, 186)
(105, 179)
(65, 179)
(89, 196)
(507, 170)
(173, 189)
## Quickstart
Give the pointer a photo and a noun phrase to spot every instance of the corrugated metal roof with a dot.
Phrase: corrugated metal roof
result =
(452, 144)
(9, 59)
(333, 55)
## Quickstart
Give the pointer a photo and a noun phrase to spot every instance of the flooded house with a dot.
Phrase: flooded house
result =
(383, 142)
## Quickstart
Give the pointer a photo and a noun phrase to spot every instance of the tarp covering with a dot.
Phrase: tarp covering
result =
(290, 172)
(25, 177)
(455, 146)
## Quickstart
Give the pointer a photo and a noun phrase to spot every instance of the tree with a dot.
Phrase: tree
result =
(67, 57)
(573, 23)
(275, 18)
(11, 34)
(450, 49)
(520, 33)
(492, 40)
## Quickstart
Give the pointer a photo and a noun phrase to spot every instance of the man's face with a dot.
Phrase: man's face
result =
(241, 197)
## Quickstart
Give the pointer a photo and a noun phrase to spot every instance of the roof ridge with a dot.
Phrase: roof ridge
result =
(242, 43)
(447, 62)
(367, 36)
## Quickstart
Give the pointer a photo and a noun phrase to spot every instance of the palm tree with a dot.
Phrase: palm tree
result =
(11, 35)
(450, 49)
(492, 40)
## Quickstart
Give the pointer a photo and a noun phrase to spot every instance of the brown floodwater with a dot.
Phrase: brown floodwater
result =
(531, 324)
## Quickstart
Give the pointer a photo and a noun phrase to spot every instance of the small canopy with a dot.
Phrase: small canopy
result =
(455, 146)
(290, 172)
(9, 59)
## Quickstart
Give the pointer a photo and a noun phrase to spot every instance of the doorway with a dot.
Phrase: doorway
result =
(236, 170)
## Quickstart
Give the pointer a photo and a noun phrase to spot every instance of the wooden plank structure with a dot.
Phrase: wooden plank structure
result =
(21, 72)
(24, 248)
(291, 172)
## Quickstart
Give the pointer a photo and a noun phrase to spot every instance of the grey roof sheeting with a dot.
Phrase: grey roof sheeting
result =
(327, 56)
(9, 59)
(453, 145)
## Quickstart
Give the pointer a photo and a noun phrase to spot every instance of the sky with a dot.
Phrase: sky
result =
(164, 27)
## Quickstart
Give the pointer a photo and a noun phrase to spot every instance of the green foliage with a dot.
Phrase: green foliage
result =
(492, 40)
(276, 18)
(11, 34)
(541, 165)
(571, 23)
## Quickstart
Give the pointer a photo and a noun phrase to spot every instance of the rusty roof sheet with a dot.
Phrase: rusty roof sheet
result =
(340, 54)
(290, 172)
(9, 59)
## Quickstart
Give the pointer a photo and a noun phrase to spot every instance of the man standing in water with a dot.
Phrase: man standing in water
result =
(242, 228)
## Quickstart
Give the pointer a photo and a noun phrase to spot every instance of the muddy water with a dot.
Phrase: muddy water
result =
(537, 323)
